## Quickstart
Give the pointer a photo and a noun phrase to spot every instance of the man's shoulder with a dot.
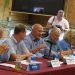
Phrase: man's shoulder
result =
(62, 42)
(9, 42)
(8, 39)
(28, 37)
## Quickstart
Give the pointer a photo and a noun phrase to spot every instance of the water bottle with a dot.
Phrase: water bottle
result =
(33, 58)
(18, 64)
(30, 60)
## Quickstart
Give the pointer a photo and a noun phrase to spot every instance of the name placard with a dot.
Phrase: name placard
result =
(70, 61)
(55, 63)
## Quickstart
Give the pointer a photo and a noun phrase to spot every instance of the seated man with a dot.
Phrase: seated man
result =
(3, 47)
(16, 45)
(52, 43)
(34, 42)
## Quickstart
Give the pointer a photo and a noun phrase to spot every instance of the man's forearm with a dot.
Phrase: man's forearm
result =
(35, 50)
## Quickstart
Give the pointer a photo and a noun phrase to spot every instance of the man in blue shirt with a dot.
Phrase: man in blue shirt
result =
(3, 47)
(16, 45)
(34, 41)
(52, 42)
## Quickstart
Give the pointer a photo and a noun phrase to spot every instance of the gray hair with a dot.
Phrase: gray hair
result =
(54, 29)
(69, 35)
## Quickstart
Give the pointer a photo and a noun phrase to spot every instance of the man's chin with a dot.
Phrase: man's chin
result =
(38, 38)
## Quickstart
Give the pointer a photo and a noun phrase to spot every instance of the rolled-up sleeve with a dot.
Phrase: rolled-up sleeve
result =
(6, 55)
(10, 49)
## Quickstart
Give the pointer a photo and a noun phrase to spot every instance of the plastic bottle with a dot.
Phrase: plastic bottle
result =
(18, 63)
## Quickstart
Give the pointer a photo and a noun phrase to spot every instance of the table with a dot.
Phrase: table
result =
(45, 70)
(6, 72)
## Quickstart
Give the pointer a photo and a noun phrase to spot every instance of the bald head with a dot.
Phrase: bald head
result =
(37, 26)
(37, 30)
(54, 35)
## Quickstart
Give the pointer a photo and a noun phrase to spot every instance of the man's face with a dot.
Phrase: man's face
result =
(38, 33)
(54, 37)
(22, 35)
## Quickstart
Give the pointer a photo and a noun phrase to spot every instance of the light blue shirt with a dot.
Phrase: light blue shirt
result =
(55, 47)
(5, 55)
(16, 47)
(31, 44)
(64, 45)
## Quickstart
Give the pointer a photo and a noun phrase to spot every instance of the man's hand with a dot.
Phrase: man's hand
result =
(3, 48)
(67, 52)
(49, 26)
(42, 46)
(26, 55)
(38, 48)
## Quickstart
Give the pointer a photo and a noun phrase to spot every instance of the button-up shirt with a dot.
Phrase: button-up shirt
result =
(32, 43)
(63, 23)
(16, 47)
(5, 55)
(55, 47)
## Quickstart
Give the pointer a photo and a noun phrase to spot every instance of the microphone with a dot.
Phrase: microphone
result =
(48, 56)
(50, 49)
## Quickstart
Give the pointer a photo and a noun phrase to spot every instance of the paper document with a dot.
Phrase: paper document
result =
(8, 65)
(70, 59)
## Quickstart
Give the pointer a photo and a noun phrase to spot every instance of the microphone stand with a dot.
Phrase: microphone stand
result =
(48, 56)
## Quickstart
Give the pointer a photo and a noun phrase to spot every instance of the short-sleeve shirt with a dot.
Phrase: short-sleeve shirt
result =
(16, 47)
(63, 23)
(31, 43)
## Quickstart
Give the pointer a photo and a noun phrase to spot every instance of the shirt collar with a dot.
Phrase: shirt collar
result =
(13, 38)
(33, 38)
